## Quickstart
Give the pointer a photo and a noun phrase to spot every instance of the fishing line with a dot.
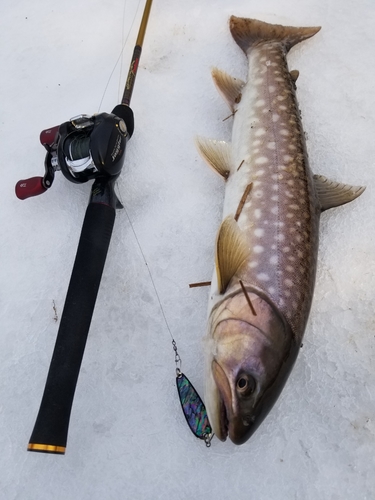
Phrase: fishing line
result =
(192, 405)
(149, 271)
(121, 52)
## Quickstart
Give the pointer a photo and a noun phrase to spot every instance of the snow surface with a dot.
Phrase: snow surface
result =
(128, 437)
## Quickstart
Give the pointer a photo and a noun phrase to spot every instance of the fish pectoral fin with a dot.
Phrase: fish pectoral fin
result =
(231, 252)
(333, 194)
(229, 87)
(217, 154)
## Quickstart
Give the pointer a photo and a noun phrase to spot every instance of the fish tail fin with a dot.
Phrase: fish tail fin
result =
(251, 32)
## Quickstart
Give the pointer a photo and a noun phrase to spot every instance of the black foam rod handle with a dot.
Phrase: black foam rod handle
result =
(51, 427)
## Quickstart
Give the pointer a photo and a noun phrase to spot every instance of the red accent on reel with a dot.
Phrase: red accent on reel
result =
(49, 135)
(30, 187)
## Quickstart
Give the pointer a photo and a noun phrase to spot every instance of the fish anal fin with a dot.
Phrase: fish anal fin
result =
(231, 252)
(217, 154)
(333, 194)
(229, 87)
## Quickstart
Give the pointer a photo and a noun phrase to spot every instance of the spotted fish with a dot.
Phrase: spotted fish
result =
(267, 244)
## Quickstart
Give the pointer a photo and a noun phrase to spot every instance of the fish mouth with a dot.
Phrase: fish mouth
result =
(225, 400)
(223, 421)
(235, 425)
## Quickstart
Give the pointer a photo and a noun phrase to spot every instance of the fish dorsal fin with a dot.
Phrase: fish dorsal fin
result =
(231, 252)
(217, 154)
(229, 87)
(294, 74)
(333, 194)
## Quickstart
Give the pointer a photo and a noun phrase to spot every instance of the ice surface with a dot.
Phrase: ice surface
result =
(128, 437)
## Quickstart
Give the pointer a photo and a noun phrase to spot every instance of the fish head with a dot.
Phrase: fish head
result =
(249, 360)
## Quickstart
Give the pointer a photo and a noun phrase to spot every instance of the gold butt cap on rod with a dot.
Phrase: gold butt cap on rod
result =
(46, 448)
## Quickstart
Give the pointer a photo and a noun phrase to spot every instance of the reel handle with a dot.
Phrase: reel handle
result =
(27, 188)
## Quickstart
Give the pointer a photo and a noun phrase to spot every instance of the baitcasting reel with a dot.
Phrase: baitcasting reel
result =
(83, 148)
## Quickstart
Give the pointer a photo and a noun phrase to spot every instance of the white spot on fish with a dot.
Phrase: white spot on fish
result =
(263, 277)
(258, 249)
(274, 210)
(287, 158)
(271, 88)
(260, 102)
(259, 232)
(274, 259)
(271, 290)
(275, 197)
(291, 182)
(260, 172)
(258, 81)
(290, 269)
(287, 293)
(288, 282)
(261, 160)
(260, 131)
(273, 247)
(294, 207)
(280, 237)
(284, 131)
(268, 63)
(257, 142)
(275, 187)
(258, 193)
(271, 145)
(253, 264)
(275, 117)
(289, 215)
(286, 249)
(257, 213)
(282, 107)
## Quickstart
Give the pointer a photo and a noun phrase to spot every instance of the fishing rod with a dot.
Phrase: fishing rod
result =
(83, 148)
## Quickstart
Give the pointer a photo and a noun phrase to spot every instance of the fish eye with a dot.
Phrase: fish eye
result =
(245, 384)
(242, 383)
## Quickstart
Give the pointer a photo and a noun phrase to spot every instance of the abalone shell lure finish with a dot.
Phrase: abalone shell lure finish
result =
(193, 407)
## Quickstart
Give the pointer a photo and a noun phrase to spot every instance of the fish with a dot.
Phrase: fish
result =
(267, 244)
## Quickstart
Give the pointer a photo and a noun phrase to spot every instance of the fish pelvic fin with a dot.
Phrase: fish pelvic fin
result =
(333, 194)
(231, 252)
(249, 33)
(217, 154)
(229, 87)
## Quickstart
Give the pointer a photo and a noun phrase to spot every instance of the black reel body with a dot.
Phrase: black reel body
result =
(87, 147)
(83, 148)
